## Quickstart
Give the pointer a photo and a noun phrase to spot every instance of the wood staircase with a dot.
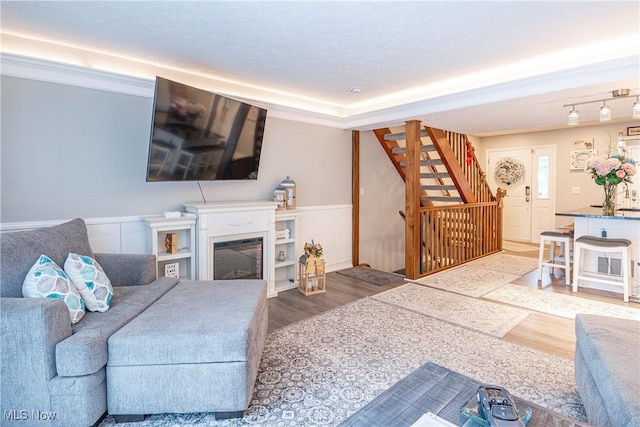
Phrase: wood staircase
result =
(451, 216)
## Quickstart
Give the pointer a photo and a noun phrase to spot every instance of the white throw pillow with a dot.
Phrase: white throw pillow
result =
(47, 280)
(89, 279)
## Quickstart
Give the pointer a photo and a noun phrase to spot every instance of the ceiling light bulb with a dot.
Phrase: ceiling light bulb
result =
(636, 109)
(573, 117)
(605, 113)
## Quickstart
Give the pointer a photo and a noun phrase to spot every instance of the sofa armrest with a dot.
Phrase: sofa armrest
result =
(30, 329)
(128, 269)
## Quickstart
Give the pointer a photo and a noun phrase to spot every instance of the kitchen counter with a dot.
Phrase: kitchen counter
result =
(624, 224)
(596, 212)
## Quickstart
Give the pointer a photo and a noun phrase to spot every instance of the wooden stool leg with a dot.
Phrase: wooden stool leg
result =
(626, 282)
(567, 262)
(577, 252)
(540, 259)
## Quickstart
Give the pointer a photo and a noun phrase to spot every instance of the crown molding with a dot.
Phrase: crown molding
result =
(72, 75)
(592, 74)
(12, 65)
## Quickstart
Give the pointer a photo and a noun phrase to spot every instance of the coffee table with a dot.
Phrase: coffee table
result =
(432, 388)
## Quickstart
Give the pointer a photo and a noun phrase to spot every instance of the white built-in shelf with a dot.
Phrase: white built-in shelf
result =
(184, 229)
(286, 271)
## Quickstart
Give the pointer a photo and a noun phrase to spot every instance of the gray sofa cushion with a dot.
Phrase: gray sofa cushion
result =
(85, 352)
(128, 269)
(195, 322)
(20, 250)
(608, 351)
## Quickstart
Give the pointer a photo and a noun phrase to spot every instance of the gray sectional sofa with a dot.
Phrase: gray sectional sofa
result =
(607, 369)
(54, 371)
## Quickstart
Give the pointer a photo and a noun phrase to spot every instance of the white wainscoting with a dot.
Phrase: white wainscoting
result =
(328, 225)
(106, 235)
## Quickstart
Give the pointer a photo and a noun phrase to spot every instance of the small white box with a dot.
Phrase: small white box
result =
(172, 270)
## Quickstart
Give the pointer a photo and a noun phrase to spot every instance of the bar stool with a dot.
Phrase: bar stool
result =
(602, 245)
(563, 237)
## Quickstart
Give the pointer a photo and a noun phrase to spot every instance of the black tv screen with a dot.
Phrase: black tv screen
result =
(201, 136)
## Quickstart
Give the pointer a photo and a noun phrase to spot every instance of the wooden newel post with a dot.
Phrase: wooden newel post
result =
(412, 201)
(501, 193)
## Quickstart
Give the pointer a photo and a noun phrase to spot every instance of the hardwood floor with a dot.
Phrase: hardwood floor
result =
(544, 332)
(291, 306)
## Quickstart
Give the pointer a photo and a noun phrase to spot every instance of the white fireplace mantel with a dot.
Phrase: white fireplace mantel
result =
(233, 220)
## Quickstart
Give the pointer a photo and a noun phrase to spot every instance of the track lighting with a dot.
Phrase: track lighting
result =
(605, 110)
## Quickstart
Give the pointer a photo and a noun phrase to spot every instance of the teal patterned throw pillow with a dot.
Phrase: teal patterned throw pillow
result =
(47, 280)
(89, 279)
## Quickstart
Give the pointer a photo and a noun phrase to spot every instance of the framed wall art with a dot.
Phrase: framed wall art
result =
(579, 157)
(633, 130)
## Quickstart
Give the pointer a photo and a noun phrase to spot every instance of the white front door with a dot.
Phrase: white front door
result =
(516, 218)
(529, 207)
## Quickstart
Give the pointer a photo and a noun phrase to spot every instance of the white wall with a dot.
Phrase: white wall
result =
(381, 227)
(564, 139)
(74, 152)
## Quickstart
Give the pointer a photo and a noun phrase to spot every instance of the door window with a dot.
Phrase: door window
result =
(543, 177)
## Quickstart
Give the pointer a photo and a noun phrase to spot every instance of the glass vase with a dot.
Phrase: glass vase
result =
(609, 202)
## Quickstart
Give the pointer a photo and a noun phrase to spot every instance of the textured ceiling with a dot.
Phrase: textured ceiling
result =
(439, 61)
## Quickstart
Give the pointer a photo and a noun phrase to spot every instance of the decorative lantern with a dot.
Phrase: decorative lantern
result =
(311, 271)
(289, 186)
(279, 196)
(311, 279)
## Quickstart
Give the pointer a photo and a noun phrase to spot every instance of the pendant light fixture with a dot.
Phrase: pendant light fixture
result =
(605, 110)
(574, 117)
(636, 108)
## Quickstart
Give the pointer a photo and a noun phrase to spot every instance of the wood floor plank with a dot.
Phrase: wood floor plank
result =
(292, 306)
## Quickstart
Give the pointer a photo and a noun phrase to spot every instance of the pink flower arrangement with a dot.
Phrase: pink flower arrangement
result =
(612, 170)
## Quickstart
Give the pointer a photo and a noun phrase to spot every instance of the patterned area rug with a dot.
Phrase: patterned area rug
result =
(507, 263)
(468, 280)
(491, 319)
(559, 304)
(370, 275)
(321, 370)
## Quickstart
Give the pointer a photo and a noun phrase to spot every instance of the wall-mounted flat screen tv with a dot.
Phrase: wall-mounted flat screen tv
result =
(201, 136)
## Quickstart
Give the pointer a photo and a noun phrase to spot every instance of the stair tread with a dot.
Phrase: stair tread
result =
(423, 148)
(434, 175)
(426, 162)
(438, 187)
(442, 198)
(402, 135)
